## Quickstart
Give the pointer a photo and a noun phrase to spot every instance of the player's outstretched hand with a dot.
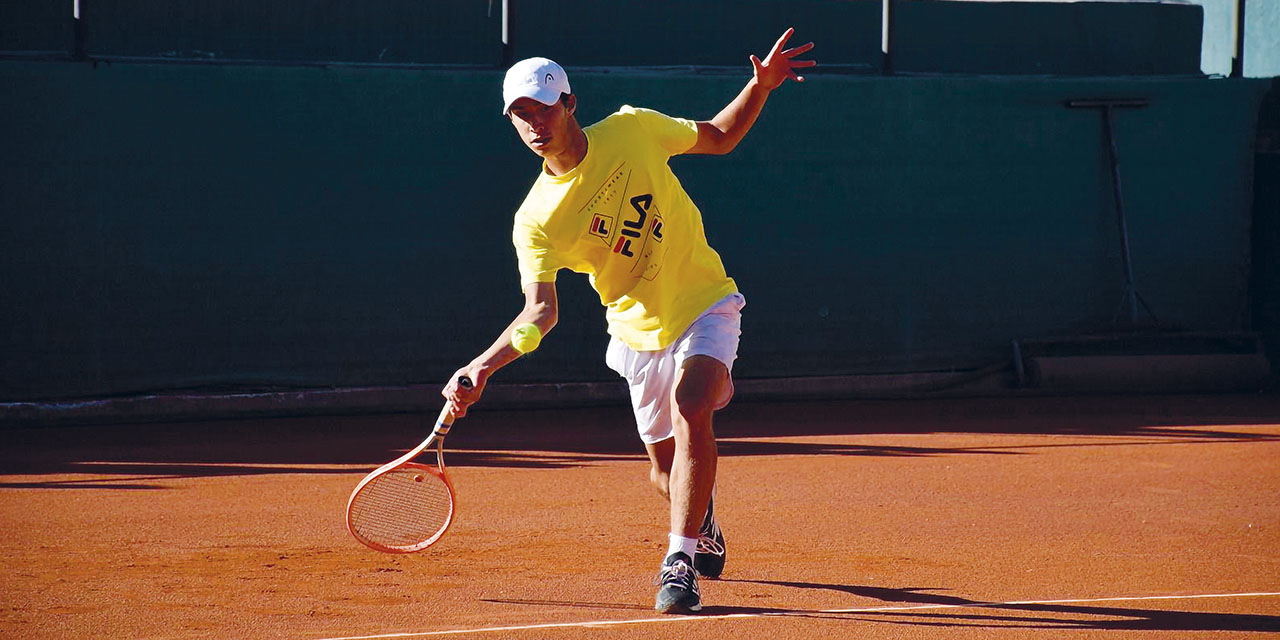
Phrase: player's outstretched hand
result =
(779, 64)
(463, 390)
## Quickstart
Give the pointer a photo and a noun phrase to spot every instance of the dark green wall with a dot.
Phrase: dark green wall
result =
(173, 226)
(1047, 38)
(374, 31)
(636, 33)
(1265, 290)
(36, 26)
(929, 36)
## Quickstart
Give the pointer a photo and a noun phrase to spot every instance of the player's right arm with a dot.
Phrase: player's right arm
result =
(541, 308)
(721, 134)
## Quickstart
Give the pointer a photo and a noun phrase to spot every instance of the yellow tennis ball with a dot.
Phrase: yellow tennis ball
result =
(526, 337)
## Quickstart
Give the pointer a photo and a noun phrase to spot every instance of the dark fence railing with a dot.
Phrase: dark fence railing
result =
(924, 36)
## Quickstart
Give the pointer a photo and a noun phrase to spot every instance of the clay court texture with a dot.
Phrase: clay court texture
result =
(1048, 517)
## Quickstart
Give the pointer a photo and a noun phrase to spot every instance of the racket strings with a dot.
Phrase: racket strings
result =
(402, 508)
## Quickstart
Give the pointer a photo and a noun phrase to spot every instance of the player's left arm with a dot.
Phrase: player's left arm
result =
(722, 133)
(541, 309)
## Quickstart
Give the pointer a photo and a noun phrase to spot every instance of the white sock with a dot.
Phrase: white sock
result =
(678, 543)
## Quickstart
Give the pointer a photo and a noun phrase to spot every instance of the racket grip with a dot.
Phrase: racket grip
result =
(445, 421)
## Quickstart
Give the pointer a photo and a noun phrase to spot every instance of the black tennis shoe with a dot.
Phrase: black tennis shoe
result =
(709, 559)
(678, 586)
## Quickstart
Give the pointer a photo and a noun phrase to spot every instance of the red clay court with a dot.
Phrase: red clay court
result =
(1048, 517)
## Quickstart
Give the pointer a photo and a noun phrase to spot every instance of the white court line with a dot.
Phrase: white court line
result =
(767, 614)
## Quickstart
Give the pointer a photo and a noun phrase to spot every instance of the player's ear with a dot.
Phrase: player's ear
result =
(570, 102)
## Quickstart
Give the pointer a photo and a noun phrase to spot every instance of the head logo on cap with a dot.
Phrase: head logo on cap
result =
(537, 78)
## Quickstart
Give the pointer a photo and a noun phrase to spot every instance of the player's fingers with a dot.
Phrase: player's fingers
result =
(460, 400)
(455, 408)
(459, 394)
(782, 41)
(791, 53)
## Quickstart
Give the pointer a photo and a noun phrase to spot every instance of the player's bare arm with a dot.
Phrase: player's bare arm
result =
(722, 133)
(541, 309)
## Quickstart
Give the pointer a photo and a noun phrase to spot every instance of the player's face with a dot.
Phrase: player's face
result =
(543, 128)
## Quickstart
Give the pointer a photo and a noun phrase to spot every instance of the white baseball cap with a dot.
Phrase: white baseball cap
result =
(537, 78)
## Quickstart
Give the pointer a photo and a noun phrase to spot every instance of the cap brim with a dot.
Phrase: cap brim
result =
(545, 95)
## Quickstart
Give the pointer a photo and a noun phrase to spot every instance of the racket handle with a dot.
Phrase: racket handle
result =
(445, 421)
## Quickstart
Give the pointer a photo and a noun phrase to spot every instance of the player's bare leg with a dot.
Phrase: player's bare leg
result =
(699, 384)
(689, 458)
(684, 470)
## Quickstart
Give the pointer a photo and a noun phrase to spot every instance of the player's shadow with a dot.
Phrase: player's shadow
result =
(954, 611)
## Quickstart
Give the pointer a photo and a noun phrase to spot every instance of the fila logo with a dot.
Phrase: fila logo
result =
(641, 204)
(601, 226)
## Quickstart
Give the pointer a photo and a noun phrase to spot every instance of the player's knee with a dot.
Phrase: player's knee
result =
(694, 412)
(702, 385)
(695, 418)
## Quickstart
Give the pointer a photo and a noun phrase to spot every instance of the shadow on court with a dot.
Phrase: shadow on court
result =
(953, 611)
(140, 457)
(1063, 616)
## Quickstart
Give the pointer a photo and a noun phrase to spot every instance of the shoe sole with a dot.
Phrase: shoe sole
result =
(677, 605)
(677, 608)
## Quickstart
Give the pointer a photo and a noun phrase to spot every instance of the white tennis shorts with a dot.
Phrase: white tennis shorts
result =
(652, 374)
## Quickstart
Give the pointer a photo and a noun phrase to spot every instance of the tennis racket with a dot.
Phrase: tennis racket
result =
(404, 506)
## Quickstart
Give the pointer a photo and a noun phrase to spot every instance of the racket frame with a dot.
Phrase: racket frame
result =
(444, 422)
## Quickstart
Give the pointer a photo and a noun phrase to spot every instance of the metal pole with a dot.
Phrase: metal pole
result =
(1130, 292)
(886, 36)
(507, 50)
(1131, 298)
(79, 47)
(1237, 62)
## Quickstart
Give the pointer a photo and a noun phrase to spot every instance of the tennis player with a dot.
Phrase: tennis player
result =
(606, 204)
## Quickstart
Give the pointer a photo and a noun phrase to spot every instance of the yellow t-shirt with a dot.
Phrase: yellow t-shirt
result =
(622, 218)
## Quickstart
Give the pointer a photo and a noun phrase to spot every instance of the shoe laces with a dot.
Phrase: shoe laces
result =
(678, 574)
(709, 540)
